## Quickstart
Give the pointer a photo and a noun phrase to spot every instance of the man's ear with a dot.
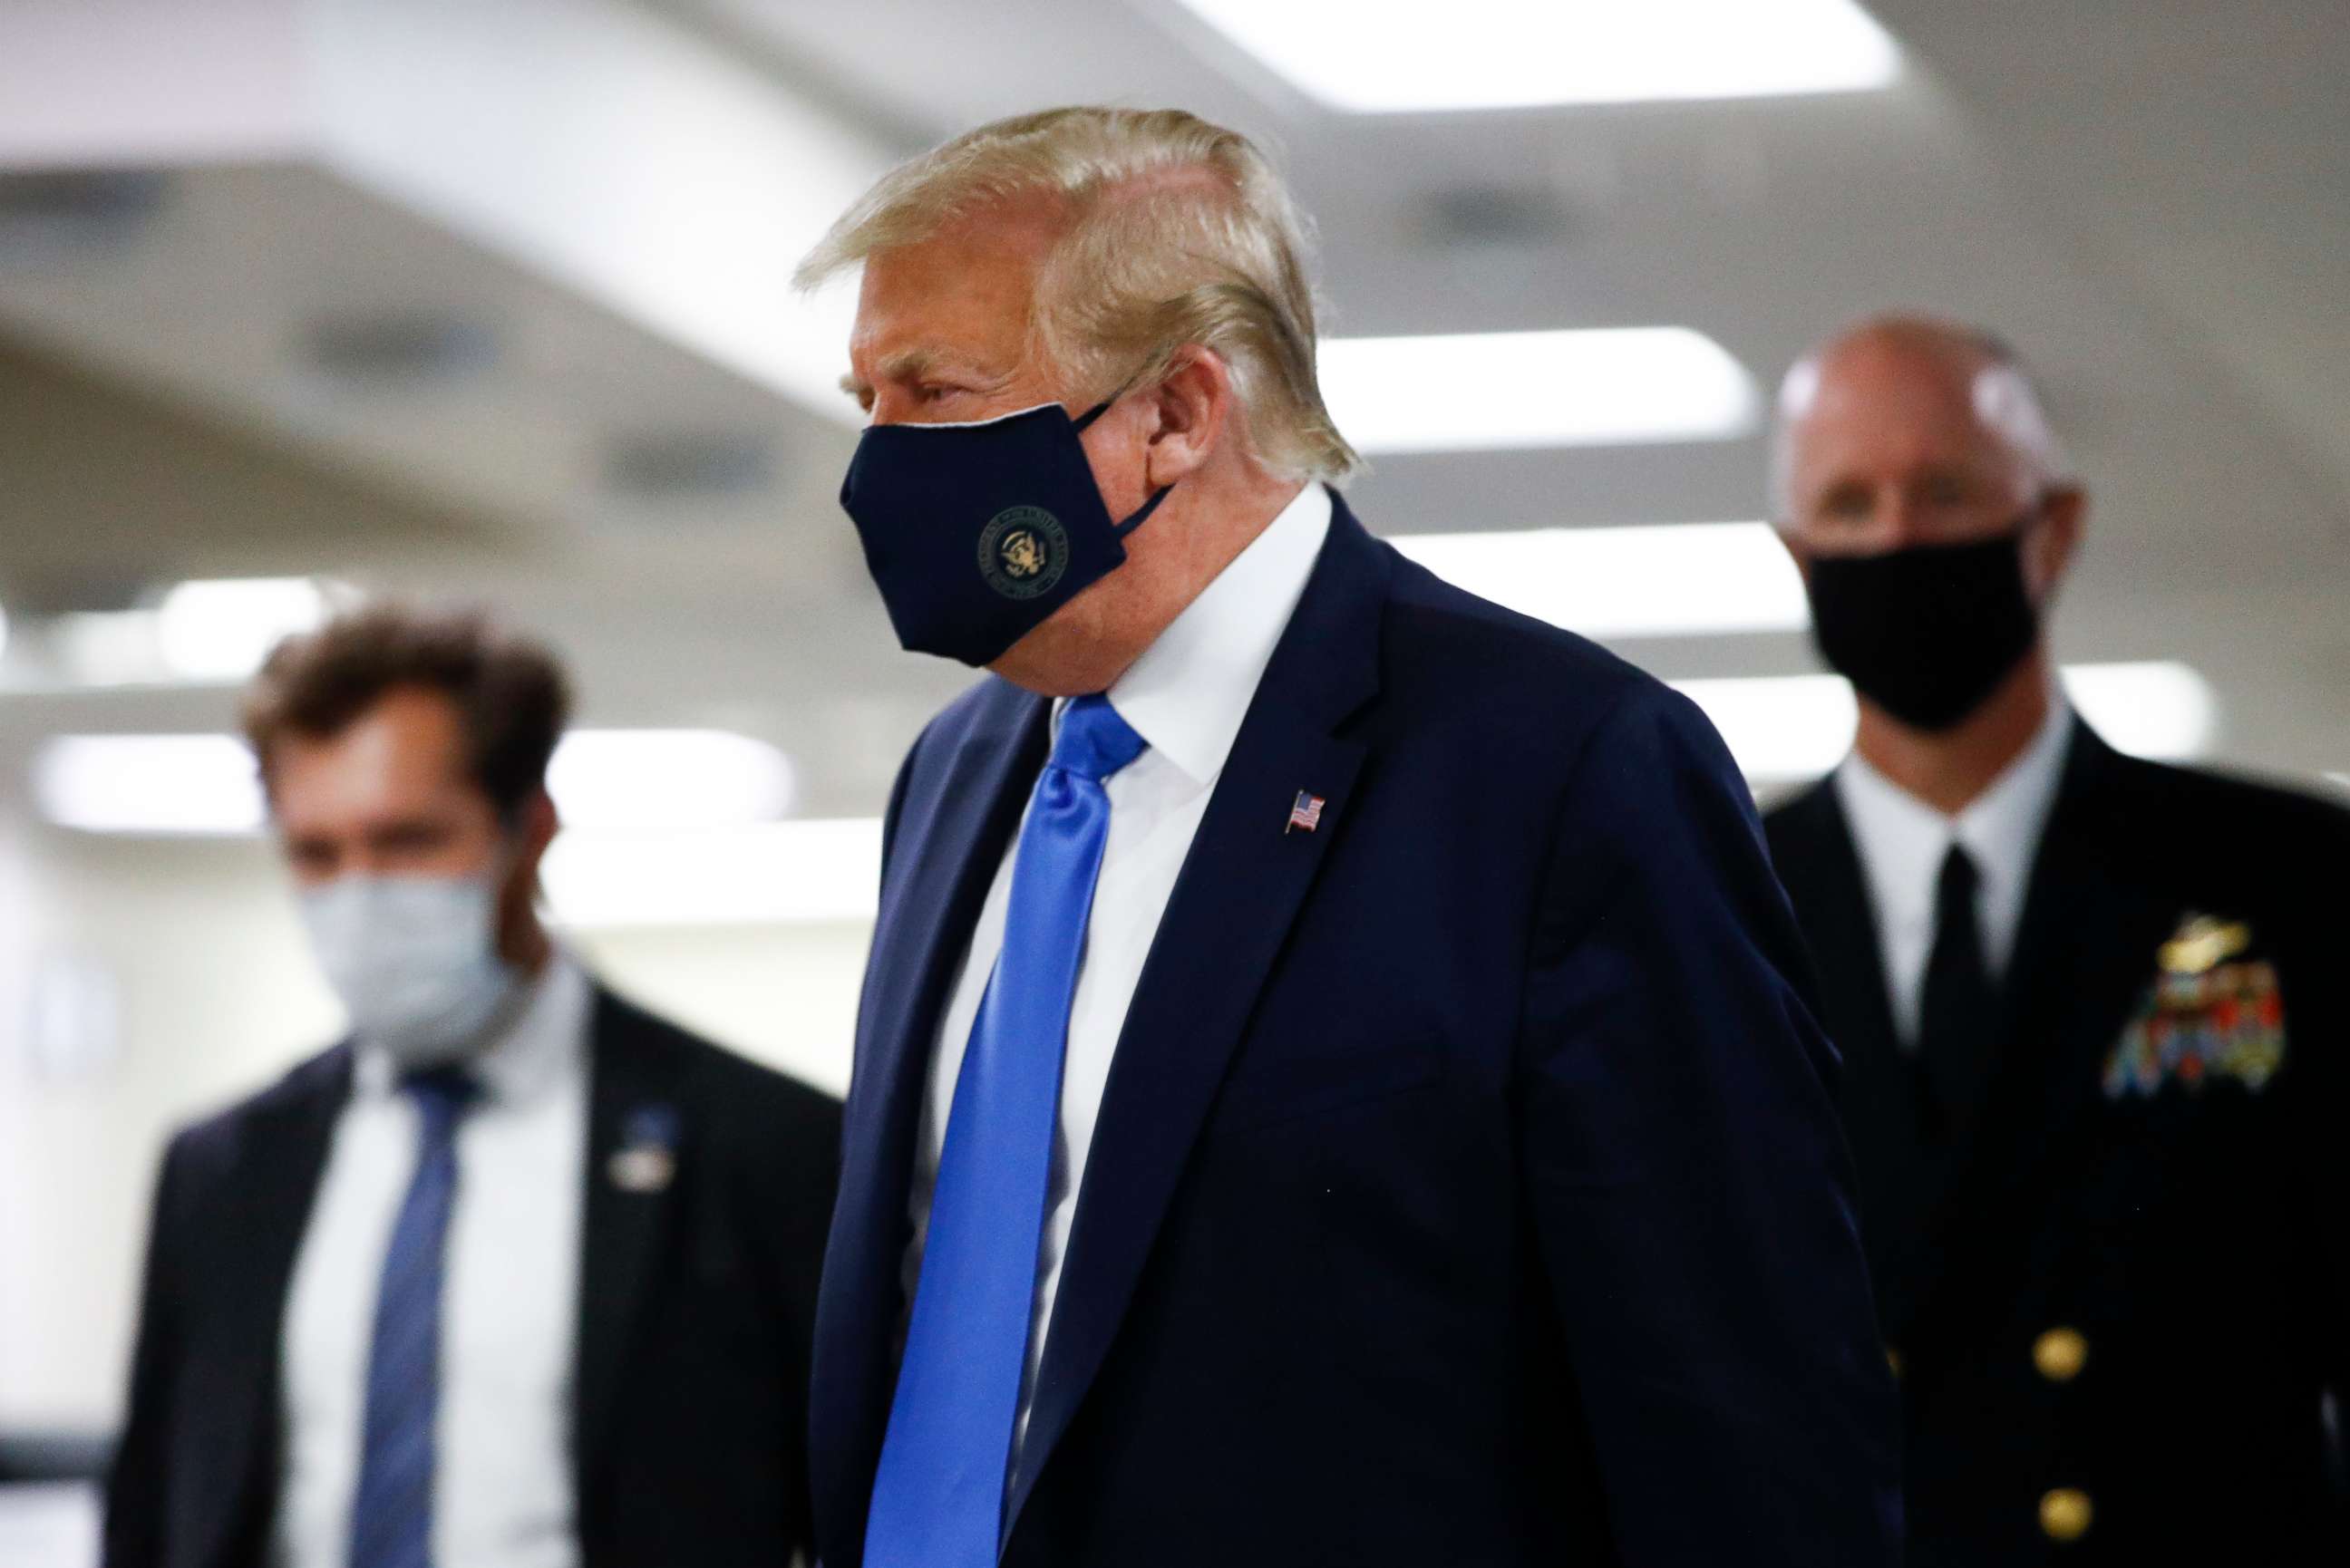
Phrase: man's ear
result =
(2049, 548)
(1194, 404)
(536, 827)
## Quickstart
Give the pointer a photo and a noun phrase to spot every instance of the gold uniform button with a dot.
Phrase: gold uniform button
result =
(2059, 1353)
(2066, 1514)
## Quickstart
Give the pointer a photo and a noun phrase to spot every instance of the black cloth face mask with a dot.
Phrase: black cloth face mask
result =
(1927, 633)
(975, 534)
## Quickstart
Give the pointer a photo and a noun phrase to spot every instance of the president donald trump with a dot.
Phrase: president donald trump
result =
(1337, 1080)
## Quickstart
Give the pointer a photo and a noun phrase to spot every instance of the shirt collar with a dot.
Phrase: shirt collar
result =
(1191, 688)
(1903, 840)
(526, 1058)
(2003, 824)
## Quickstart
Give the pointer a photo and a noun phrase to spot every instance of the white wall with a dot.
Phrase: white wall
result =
(216, 997)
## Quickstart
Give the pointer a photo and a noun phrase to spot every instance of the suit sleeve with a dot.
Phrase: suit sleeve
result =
(137, 1486)
(1687, 1175)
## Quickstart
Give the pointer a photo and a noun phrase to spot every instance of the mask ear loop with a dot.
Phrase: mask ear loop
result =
(1141, 515)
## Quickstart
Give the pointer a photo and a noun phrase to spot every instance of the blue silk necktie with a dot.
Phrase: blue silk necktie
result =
(937, 1495)
(391, 1506)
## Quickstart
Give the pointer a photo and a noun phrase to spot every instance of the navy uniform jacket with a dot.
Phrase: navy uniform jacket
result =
(1467, 1187)
(696, 1303)
(2119, 1304)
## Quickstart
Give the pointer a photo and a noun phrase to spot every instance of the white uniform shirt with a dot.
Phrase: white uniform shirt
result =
(1186, 696)
(503, 1489)
(1902, 843)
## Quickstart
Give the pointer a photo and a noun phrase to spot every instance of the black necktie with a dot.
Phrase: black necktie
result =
(1958, 1012)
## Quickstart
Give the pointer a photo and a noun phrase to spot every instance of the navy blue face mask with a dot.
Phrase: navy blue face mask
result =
(975, 534)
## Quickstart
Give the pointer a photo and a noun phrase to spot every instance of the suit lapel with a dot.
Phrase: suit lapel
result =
(634, 1153)
(950, 840)
(1241, 886)
(272, 1192)
(2084, 952)
(1828, 889)
(1906, 1169)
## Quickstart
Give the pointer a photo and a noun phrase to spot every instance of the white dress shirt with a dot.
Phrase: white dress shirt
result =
(1902, 843)
(503, 1495)
(1186, 697)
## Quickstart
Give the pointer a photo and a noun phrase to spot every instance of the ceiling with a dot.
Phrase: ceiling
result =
(324, 351)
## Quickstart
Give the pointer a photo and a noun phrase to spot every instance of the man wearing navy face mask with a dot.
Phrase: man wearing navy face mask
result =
(2089, 1007)
(1336, 1080)
(518, 1276)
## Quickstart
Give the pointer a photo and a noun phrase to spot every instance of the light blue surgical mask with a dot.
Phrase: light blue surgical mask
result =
(414, 960)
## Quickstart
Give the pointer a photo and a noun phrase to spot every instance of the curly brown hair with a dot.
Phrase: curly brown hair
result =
(512, 698)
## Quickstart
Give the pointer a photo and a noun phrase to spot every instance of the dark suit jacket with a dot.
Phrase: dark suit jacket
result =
(2194, 1240)
(696, 1304)
(1466, 1187)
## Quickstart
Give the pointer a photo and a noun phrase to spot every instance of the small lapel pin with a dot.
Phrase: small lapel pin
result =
(2202, 942)
(1305, 812)
(646, 1161)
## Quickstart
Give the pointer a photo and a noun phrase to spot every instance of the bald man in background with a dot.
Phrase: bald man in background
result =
(2091, 1010)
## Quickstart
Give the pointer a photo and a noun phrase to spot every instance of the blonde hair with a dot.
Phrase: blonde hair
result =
(1179, 233)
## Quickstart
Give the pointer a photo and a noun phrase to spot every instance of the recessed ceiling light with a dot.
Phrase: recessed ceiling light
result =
(1648, 580)
(1786, 727)
(636, 780)
(1499, 390)
(778, 873)
(105, 648)
(2158, 709)
(155, 784)
(1373, 57)
(222, 628)
(1779, 727)
(604, 782)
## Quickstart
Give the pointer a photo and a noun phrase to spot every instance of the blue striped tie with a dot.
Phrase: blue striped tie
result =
(937, 1495)
(391, 1506)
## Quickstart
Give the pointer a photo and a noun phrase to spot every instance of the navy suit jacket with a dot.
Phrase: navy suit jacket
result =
(1467, 1187)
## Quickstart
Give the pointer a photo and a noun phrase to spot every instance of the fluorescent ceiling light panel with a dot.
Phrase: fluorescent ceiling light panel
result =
(639, 779)
(1786, 727)
(777, 873)
(1779, 727)
(1385, 56)
(157, 784)
(106, 648)
(1651, 580)
(1491, 392)
(2161, 709)
(222, 629)
(604, 781)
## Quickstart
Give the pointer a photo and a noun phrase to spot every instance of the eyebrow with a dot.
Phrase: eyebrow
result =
(898, 367)
(908, 364)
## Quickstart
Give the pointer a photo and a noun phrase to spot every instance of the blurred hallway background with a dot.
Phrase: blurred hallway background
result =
(305, 300)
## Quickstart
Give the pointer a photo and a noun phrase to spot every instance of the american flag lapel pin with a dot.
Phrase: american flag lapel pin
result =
(1305, 812)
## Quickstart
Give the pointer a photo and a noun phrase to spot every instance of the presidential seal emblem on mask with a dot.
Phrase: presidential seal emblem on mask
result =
(1023, 552)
